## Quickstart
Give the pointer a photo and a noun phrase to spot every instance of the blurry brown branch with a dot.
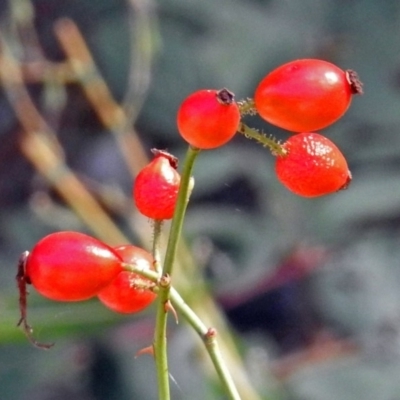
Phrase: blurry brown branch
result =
(47, 72)
(145, 38)
(38, 143)
(110, 113)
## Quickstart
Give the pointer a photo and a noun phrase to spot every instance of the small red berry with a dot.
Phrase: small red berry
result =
(305, 95)
(313, 166)
(130, 292)
(208, 118)
(71, 266)
(155, 190)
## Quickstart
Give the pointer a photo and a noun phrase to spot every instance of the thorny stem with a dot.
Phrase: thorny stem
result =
(247, 107)
(160, 339)
(212, 347)
(270, 142)
(208, 335)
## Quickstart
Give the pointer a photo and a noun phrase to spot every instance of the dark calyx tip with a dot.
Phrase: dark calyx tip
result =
(354, 81)
(225, 96)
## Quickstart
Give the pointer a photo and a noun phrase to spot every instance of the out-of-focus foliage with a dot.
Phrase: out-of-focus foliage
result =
(288, 271)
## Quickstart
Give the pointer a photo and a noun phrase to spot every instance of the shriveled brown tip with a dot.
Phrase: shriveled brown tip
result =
(354, 81)
(225, 96)
(173, 161)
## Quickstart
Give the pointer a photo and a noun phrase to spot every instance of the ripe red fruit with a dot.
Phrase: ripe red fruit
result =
(130, 292)
(313, 166)
(156, 187)
(71, 266)
(208, 118)
(305, 95)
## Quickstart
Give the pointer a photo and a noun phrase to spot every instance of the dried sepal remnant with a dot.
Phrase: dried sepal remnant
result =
(22, 282)
(354, 81)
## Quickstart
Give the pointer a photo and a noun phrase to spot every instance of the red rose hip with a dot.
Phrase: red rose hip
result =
(71, 266)
(129, 292)
(156, 187)
(208, 118)
(313, 166)
(305, 95)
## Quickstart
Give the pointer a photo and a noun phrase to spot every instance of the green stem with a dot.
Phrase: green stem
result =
(208, 335)
(160, 335)
(160, 342)
(267, 141)
(185, 188)
(157, 225)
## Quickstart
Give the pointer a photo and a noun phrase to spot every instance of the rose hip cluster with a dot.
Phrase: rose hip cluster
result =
(301, 97)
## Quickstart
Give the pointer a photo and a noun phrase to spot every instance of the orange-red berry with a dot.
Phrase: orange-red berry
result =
(129, 292)
(305, 95)
(313, 166)
(208, 118)
(71, 266)
(155, 190)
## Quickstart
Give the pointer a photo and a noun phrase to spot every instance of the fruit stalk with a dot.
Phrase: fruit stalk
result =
(270, 142)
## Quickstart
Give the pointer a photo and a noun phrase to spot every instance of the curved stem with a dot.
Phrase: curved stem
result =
(160, 336)
(208, 336)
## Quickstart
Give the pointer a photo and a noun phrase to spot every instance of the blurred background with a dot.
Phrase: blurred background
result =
(305, 293)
